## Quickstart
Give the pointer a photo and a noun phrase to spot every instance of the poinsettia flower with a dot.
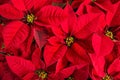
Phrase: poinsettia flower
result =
(41, 71)
(69, 36)
(30, 69)
(113, 33)
(112, 24)
(75, 72)
(101, 70)
(68, 71)
(26, 13)
(111, 28)
(107, 36)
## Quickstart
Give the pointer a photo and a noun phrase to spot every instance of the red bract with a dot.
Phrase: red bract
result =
(102, 45)
(66, 70)
(113, 17)
(41, 35)
(68, 38)
(104, 71)
(13, 32)
(73, 73)
(104, 5)
(19, 66)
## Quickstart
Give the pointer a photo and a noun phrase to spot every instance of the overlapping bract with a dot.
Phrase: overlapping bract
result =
(60, 40)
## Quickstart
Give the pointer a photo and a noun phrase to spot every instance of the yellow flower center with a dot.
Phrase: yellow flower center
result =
(42, 74)
(69, 78)
(109, 34)
(107, 77)
(30, 18)
(69, 41)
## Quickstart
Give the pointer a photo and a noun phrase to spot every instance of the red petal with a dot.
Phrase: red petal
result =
(29, 4)
(40, 36)
(29, 76)
(15, 33)
(54, 41)
(102, 45)
(62, 63)
(27, 45)
(112, 18)
(82, 73)
(19, 65)
(114, 67)
(70, 25)
(78, 50)
(74, 58)
(41, 3)
(76, 3)
(89, 24)
(53, 53)
(65, 27)
(68, 71)
(51, 15)
(36, 59)
(58, 32)
(116, 17)
(68, 11)
(99, 64)
(81, 9)
(8, 11)
(105, 5)
(19, 4)
(23, 5)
